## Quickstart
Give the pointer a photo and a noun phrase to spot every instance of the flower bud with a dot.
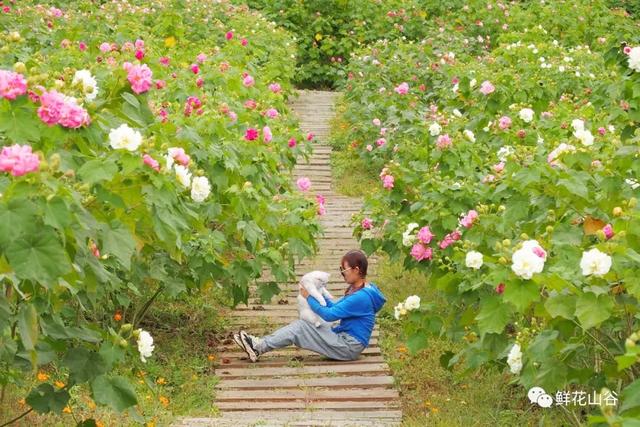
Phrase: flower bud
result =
(617, 211)
(54, 161)
(19, 67)
(123, 343)
(549, 228)
(524, 236)
(127, 327)
(506, 243)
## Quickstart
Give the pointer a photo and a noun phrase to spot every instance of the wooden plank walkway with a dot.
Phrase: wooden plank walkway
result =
(296, 387)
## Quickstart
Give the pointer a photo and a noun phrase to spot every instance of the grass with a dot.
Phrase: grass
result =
(434, 396)
(178, 379)
(351, 175)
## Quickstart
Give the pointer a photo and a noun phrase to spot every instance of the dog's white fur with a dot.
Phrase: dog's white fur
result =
(315, 283)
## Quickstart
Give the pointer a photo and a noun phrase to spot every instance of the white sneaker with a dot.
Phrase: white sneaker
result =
(236, 338)
(250, 346)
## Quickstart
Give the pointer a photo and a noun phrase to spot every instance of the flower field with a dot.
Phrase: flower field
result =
(506, 149)
(145, 153)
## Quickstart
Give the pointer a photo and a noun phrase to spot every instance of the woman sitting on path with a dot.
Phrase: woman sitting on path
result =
(356, 311)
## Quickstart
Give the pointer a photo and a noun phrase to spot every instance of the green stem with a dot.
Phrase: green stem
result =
(17, 418)
(140, 315)
(572, 415)
(596, 340)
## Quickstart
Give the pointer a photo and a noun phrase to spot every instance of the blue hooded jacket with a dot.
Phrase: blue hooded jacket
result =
(356, 312)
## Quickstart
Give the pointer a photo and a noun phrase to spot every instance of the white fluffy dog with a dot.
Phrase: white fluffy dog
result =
(315, 283)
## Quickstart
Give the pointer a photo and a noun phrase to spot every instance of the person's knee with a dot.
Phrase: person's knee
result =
(302, 324)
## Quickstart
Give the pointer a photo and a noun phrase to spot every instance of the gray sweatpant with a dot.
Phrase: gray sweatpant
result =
(321, 339)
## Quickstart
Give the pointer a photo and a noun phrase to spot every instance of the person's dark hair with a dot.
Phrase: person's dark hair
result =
(356, 258)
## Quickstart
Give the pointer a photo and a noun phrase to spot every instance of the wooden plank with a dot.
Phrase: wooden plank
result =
(306, 415)
(256, 327)
(256, 371)
(372, 394)
(242, 361)
(264, 313)
(231, 352)
(262, 325)
(343, 404)
(247, 391)
(338, 382)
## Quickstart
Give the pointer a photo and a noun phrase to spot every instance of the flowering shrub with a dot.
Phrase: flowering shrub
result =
(511, 179)
(125, 177)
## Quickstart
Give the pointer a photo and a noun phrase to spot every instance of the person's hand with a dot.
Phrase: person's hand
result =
(304, 292)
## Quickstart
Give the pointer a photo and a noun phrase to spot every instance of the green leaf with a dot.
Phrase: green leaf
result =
(521, 294)
(56, 213)
(131, 99)
(624, 361)
(97, 170)
(174, 287)
(445, 358)
(267, 290)
(19, 123)
(117, 240)
(84, 365)
(111, 353)
(566, 235)
(46, 399)
(250, 230)
(493, 316)
(38, 256)
(108, 197)
(17, 217)
(417, 341)
(574, 186)
(630, 396)
(115, 392)
(28, 326)
(591, 310)
(561, 306)
(369, 246)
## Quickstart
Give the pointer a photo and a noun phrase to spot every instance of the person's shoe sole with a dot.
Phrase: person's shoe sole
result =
(253, 356)
(236, 338)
